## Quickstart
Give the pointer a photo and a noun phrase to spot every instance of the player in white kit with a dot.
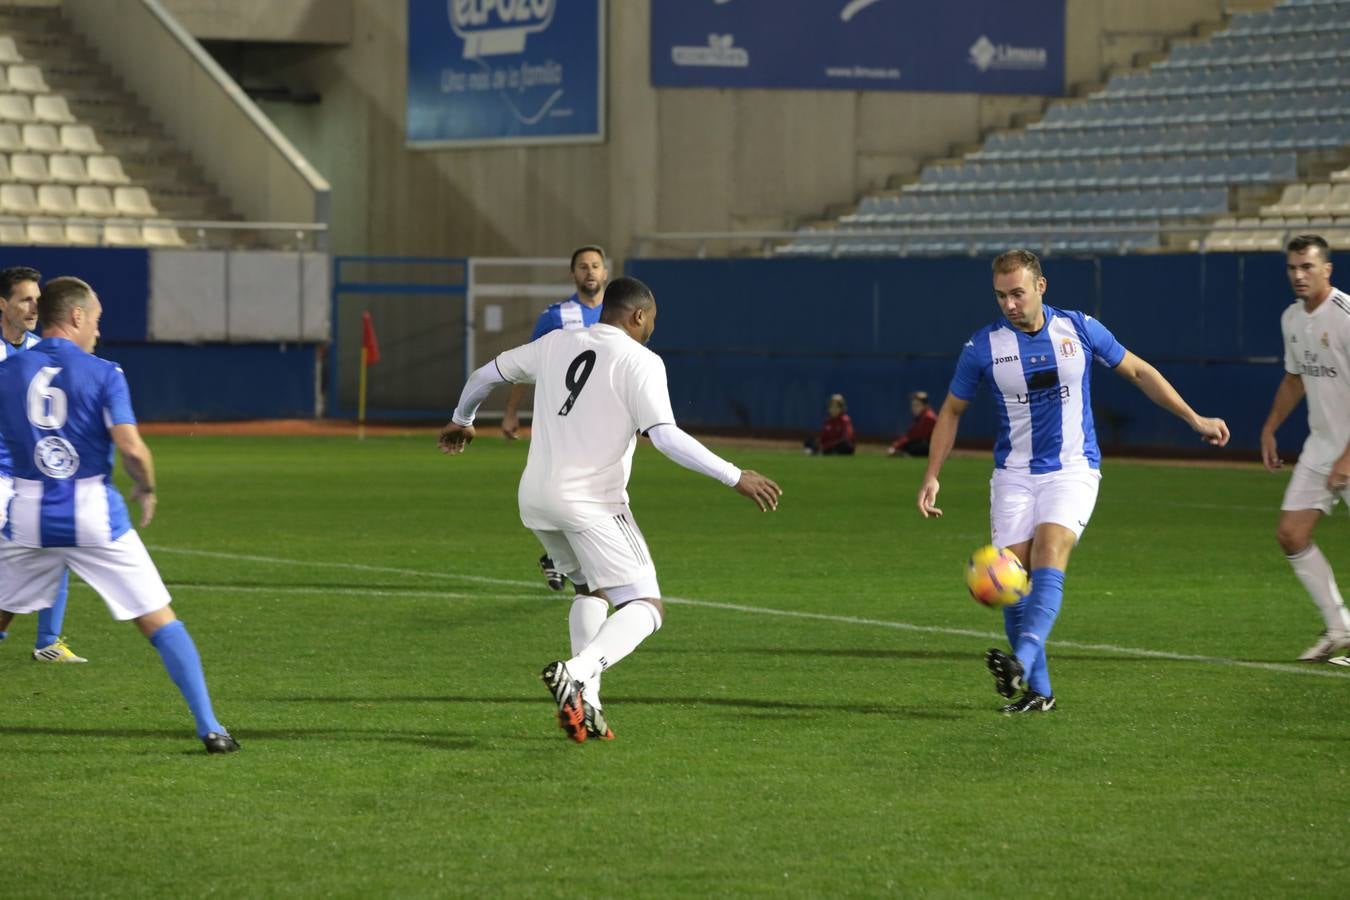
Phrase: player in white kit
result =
(596, 389)
(1316, 329)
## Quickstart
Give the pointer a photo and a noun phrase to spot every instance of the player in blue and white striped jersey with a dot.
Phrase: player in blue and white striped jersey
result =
(62, 411)
(1046, 460)
(18, 317)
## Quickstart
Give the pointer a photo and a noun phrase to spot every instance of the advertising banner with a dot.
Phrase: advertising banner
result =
(967, 46)
(505, 72)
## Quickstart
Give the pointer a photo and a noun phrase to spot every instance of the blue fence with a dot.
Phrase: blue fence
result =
(761, 344)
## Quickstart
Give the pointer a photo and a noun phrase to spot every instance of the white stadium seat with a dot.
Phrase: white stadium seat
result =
(122, 235)
(57, 199)
(18, 198)
(82, 231)
(29, 167)
(27, 79)
(43, 138)
(80, 139)
(68, 168)
(46, 231)
(9, 51)
(12, 232)
(1288, 202)
(133, 201)
(52, 108)
(10, 138)
(107, 170)
(16, 108)
(161, 233)
(95, 200)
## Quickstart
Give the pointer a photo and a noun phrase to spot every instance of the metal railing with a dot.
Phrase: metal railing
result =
(771, 243)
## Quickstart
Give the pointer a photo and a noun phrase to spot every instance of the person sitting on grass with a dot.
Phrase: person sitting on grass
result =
(914, 442)
(836, 435)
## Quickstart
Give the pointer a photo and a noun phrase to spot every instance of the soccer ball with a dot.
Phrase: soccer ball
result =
(995, 577)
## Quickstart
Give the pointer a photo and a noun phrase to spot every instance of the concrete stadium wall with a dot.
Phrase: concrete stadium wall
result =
(689, 159)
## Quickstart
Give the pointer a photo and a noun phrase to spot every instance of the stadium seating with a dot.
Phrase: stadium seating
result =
(1153, 151)
(79, 163)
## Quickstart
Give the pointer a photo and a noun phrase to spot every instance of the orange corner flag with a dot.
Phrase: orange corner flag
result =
(368, 342)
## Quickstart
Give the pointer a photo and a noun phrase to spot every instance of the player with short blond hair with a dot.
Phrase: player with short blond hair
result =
(596, 389)
(1316, 331)
(1037, 360)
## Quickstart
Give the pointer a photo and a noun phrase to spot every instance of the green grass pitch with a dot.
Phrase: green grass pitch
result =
(813, 720)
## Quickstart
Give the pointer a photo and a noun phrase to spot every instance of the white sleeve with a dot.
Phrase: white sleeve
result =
(684, 449)
(480, 384)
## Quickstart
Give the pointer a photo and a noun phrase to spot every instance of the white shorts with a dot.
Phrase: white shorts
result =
(1019, 502)
(121, 572)
(1308, 490)
(611, 553)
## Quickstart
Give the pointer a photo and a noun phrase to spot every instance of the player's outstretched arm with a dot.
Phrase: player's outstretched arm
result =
(140, 465)
(939, 448)
(1158, 389)
(684, 449)
(1287, 397)
(459, 433)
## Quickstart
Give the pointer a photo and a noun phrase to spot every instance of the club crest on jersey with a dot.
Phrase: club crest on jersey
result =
(1326, 340)
(1068, 348)
(56, 457)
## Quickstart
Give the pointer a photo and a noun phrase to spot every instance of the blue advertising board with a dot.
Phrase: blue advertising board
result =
(967, 46)
(505, 72)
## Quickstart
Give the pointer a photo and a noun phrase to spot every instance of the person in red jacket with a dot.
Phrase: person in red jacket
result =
(915, 441)
(836, 435)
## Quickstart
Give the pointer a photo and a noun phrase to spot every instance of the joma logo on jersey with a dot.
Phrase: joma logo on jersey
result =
(999, 360)
(1060, 393)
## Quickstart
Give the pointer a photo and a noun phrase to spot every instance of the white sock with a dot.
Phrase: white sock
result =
(618, 637)
(1314, 571)
(584, 622)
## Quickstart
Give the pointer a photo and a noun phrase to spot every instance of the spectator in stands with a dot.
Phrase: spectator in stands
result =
(836, 435)
(914, 442)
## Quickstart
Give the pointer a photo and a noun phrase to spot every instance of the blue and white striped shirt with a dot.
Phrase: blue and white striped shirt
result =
(569, 313)
(1042, 387)
(58, 405)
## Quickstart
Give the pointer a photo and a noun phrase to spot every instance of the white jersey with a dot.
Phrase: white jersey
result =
(595, 390)
(1317, 347)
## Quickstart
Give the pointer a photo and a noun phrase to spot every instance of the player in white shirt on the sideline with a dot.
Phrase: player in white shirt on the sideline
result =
(596, 389)
(1316, 329)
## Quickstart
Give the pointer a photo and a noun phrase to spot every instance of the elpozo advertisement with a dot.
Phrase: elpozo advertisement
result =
(967, 46)
(484, 72)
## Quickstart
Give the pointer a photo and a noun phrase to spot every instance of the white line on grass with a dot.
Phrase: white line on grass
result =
(333, 591)
(754, 610)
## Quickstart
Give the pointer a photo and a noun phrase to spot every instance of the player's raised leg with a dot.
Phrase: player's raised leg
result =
(50, 646)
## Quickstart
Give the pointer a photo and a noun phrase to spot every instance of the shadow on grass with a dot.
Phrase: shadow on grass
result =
(444, 741)
(763, 706)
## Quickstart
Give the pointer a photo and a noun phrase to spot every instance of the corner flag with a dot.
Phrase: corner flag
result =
(370, 354)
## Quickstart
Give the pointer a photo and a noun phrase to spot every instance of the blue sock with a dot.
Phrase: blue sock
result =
(53, 617)
(1012, 620)
(1043, 603)
(184, 665)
